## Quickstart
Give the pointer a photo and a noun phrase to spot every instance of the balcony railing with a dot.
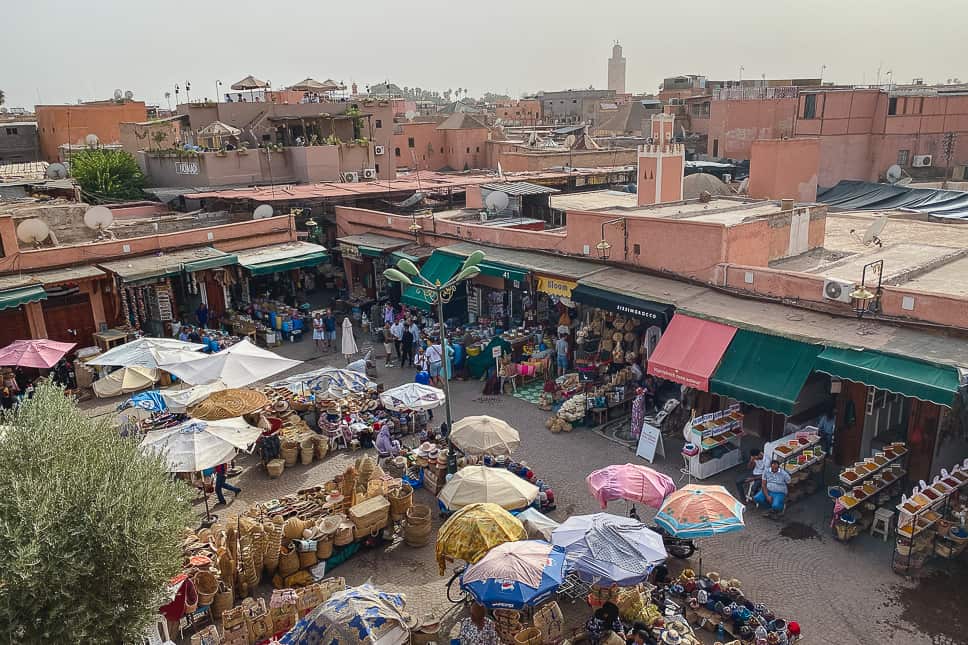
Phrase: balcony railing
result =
(755, 93)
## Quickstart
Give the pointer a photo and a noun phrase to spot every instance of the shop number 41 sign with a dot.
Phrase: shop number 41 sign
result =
(650, 443)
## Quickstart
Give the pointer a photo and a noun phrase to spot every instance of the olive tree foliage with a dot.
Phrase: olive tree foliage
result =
(90, 529)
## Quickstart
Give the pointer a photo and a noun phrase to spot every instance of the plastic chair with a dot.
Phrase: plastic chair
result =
(157, 633)
(882, 523)
(684, 472)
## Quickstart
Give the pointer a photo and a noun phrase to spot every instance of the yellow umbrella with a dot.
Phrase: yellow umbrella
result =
(473, 531)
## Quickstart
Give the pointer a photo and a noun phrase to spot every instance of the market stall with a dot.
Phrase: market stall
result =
(867, 487)
(713, 442)
(932, 521)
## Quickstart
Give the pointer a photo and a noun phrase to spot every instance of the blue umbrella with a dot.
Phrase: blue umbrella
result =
(609, 549)
(515, 575)
(150, 401)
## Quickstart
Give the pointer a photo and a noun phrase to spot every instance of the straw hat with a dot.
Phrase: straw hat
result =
(280, 406)
(671, 636)
(425, 449)
(442, 456)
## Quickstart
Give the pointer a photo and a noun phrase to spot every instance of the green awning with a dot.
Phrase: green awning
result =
(285, 264)
(210, 263)
(905, 376)
(498, 270)
(764, 371)
(396, 256)
(23, 295)
(371, 252)
(439, 268)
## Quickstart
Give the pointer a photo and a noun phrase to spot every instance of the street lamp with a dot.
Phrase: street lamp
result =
(439, 294)
(604, 248)
(218, 90)
(863, 299)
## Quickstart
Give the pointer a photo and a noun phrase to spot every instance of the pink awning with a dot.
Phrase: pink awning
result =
(690, 350)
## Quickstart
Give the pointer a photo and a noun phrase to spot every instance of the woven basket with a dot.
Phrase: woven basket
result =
(275, 467)
(290, 454)
(550, 620)
(528, 636)
(224, 600)
(306, 454)
(307, 559)
(344, 534)
(371, 513)
(324, 547)
(288, 562)
(321, 446)
(206, 585)
(400, 500)
(294, 527)
(418, 514)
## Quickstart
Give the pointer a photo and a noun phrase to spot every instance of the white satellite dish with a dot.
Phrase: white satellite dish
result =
(98, 218)
(32, 231)
(117, 95)
(262, 211)
(496, 201)
(894, 174)
(129, 95)
(91, 140)
(409, 114)
(570, 141)
(56, 171)
(871, 235)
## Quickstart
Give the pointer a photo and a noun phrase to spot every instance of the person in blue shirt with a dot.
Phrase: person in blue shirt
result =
(329, 330)
(826, 427)
(774, 490)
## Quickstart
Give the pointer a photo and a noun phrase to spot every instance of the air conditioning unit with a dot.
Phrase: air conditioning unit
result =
(379, 150)
(837, 290)
(369, 173)
(922, 161)
(351, 177)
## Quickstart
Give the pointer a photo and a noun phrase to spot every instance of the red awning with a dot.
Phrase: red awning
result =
(690, 350)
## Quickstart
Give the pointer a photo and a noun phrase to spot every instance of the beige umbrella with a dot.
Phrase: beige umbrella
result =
(484, 435)
(249, 83)
(125, 380)
(311, 85)
(481, 484)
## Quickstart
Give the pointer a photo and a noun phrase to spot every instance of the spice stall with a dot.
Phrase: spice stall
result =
(714, 442)
(866, 487)
(801, 455)
(932, 521)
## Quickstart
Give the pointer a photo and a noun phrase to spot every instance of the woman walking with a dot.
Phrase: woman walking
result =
(318, 337)
(349, 341)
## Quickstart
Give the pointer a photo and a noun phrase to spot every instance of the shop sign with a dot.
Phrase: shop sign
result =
(186, 167)
(556, 287)
(638, 313)
(350, 252)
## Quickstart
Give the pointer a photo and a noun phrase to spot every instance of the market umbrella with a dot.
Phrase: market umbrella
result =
(629, 482)
(124, 381)
(249, 83)
(180, 400)
(479, 435)
(150, 401)
(537, 524)
(412, 396)
(328, 380)
(363, 614)
(149, 352)
(474, 530)
(237, 366)
(609, 549)
(697, 511)
(473, 484)
(515, 575)
(227, 404)
(40, 353)
(196, 445)
(311, 85)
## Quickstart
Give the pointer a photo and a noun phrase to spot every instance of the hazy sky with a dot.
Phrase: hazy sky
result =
(62, 50)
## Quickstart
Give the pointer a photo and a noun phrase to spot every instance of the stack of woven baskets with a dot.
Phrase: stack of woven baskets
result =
(416, 530)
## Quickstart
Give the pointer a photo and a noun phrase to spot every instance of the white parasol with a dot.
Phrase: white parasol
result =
(237, 366)
(180, 400)
(148, 352)
(480, 435)
(413, 396)
(196, 445)
(473, 484)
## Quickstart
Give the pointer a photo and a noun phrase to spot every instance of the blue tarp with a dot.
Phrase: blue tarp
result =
(865, 196)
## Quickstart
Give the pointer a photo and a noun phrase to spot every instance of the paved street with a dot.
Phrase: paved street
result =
(843, 594)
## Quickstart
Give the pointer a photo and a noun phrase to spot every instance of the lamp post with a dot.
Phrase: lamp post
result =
(604, 248)
(439, 294)
(863, 299)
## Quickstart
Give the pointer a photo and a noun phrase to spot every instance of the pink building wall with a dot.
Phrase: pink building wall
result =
(735, 124)
(429, 150)
(785, 169)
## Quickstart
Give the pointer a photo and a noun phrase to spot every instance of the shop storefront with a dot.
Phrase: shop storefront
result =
(276, 272)
(206, 280)
(365, 258)
(14, 324)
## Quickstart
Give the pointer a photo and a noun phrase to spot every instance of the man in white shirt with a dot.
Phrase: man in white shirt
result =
(754, 474)
(434, 362)
(396, 329)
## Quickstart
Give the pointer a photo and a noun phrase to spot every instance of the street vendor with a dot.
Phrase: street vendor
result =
(385, 443)
(754, 475)
(773, 493)
(604, 620)
(478, 629)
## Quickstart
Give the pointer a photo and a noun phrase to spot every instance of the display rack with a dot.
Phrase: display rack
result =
(866, 479)
(713, 432)
(801, 456)
(925, 511)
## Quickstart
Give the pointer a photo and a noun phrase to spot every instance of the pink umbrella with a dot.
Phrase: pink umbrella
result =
(630, 482)
(42, 354)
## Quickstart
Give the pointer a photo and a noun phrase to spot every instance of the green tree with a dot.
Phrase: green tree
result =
(89, 527)
(108, 173)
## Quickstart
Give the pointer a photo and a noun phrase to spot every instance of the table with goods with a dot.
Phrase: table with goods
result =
(714, 442)
(801, 455)
(865, 487)
(932, 521)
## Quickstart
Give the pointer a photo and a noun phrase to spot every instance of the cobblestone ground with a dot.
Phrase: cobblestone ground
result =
(840, 594)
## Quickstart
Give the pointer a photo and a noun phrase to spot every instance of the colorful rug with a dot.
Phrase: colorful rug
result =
(530, 392)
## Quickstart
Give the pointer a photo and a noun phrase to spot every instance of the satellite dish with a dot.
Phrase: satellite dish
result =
(262, 211)
(98, 218)
(570, 141)
(32, 231)
(874, 230)
(409, 114)
(91, 140)
(56, 171)
(496, 201)
(894, 174)
(129, 95)
(117, 95)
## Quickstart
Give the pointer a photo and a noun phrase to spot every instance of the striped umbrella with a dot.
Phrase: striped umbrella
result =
(700, 511)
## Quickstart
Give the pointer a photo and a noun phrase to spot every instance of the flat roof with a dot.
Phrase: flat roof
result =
(792, 322)
(274, 252)
(159, 265)
(520, 188)
(593, 200)
(545, 263)
(374, 241)
(51, 276)
(717, 210)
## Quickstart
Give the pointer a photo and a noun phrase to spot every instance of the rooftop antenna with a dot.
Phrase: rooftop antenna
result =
(570, 141)
(874, 230)
(56, 171)
(262, 211)
(33, 231)
(91, 140)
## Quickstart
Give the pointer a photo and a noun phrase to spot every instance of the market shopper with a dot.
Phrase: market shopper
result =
(386, 445)
(478, 629)
(561, 353)
(603, 621)
(318, 336)
(349, 341)
(826, 427)
(329, 330)
(415, 332)
(396, 329)
(435, 354)
(202, 315)
(388, 342)
(773, 493)
(220, 483)
(406, 346)
(755, 467)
